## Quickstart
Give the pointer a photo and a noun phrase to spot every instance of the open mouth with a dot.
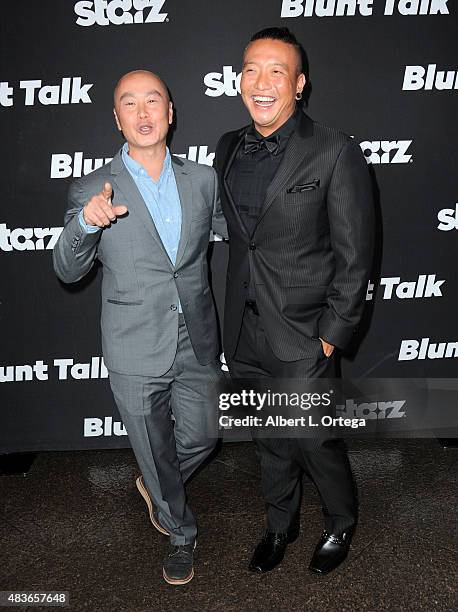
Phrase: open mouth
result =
(263, 101)
(145, 128)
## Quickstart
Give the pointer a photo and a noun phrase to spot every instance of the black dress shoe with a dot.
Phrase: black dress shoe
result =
(330, 551)
(271, 550)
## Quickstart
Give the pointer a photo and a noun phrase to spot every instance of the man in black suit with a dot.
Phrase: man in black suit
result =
(297, 198)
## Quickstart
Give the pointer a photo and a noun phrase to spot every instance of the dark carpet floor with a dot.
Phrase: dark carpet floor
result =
(76, 522)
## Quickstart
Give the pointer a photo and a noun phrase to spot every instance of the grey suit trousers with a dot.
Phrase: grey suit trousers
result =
(169, 450)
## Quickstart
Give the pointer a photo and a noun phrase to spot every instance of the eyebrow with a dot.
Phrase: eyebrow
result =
(273, 64)
(128, 94)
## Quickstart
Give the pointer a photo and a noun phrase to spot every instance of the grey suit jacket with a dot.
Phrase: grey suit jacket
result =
(141, 286)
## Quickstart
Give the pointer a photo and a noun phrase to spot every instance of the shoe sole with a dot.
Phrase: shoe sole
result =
(144, 493)
(178, 581)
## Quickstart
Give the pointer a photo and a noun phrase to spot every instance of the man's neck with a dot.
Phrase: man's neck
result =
(152, 159)
(266, 131)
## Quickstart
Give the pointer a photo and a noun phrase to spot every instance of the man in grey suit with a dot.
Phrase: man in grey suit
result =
(159, 333)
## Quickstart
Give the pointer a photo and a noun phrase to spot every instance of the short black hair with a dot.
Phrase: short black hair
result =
(286, 36)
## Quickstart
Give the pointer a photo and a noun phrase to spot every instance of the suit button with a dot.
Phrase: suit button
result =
(245, 284)
(173, 307)
(175, 275)
(252, 246)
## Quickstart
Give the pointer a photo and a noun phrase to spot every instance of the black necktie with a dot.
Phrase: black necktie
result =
(254, 143)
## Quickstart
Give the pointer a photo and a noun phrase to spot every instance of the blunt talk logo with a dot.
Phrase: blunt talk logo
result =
(424, 349)
(326, 8)
(425, 286)
(65, 165)
(71, 90)
(66, 369)
(364, 8)
(371, 410)
(386, 151)
(119, 12)
(429, 78)
(76, 165)
(222, 83)
(28, 238)
(94, 427)
(198, 154)
(448, 219)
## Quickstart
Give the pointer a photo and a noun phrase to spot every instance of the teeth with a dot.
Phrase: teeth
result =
(263, 99)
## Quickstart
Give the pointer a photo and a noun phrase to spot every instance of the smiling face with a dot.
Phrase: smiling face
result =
(143, 111)
(270, 81)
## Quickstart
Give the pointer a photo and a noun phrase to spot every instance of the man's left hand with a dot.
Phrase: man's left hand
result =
(327, 348)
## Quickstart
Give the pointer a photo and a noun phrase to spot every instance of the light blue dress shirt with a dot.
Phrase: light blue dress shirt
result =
(161, 198)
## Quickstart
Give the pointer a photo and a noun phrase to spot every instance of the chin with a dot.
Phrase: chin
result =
(262, 117)
(265, 121)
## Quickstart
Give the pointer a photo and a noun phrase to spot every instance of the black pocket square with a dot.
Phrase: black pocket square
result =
(305, 187)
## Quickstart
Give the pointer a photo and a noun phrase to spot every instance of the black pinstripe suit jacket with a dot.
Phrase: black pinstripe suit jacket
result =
(310, 254)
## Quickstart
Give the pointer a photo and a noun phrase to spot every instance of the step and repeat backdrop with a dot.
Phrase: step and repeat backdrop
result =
(383, 71)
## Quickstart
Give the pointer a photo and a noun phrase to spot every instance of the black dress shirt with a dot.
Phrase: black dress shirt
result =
(251, 174)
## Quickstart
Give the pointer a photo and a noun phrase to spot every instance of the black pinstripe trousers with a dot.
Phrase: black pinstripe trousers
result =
(283, 461)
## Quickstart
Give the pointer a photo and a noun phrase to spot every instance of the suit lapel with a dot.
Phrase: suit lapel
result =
(298, 148)
(232, 152)
(134, 199)
(184, 186)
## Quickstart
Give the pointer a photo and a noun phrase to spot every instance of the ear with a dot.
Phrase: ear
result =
(170, 113)
(117, 120)
(300, 82)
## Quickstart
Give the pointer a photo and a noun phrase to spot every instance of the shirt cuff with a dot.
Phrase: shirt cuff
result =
(90, 229)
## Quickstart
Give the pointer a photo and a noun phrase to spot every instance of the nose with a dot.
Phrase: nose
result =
(142, 110)
(262, 81)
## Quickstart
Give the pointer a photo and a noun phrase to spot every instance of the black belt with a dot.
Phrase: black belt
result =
(251, 305)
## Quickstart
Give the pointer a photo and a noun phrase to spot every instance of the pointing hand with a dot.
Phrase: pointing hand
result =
(100, 211)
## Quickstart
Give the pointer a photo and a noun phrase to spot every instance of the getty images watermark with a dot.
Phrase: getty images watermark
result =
(326, 408)
(275, 405)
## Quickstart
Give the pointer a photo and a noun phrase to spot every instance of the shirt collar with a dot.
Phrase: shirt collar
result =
(137, 169)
